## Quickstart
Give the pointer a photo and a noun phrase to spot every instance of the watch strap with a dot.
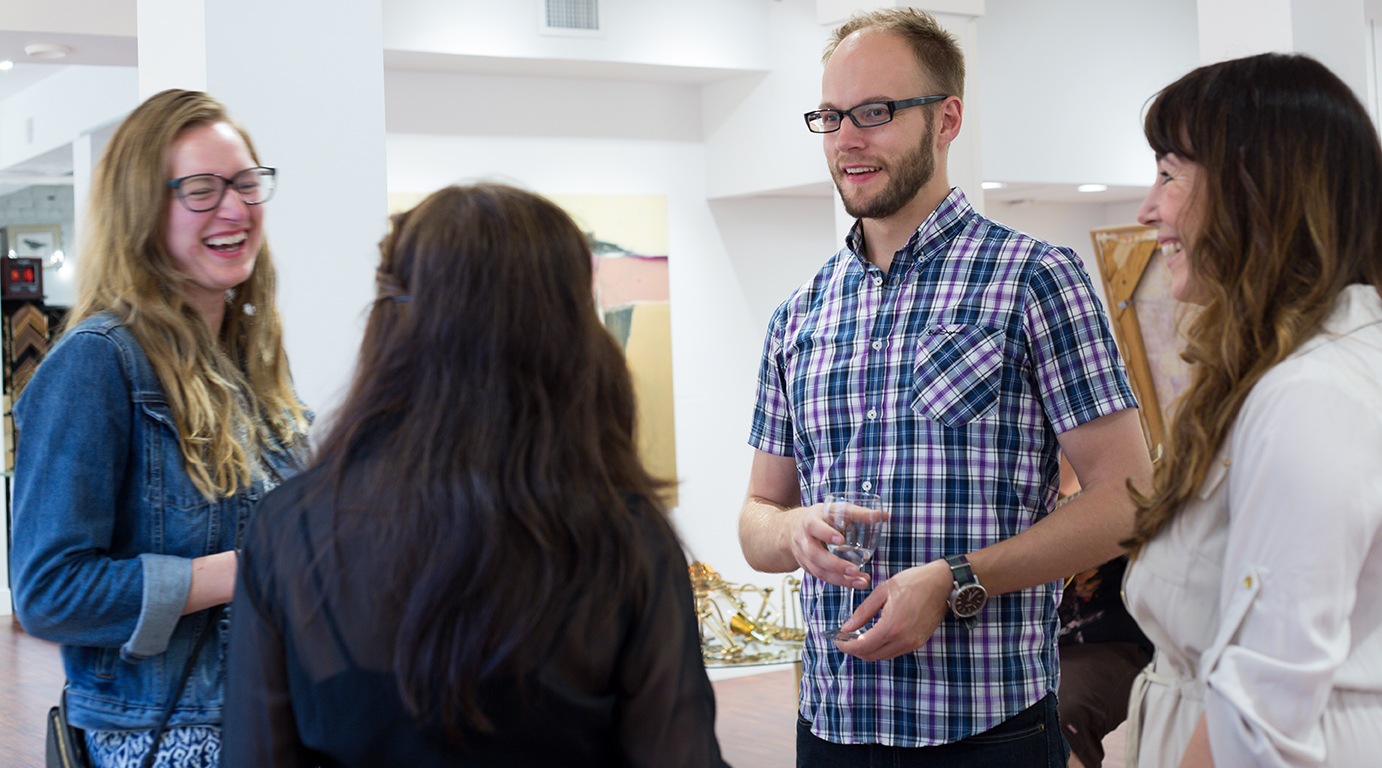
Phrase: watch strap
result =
(960, 571)
(962, 575)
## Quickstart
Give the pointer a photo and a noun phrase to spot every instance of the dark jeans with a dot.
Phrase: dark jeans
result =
(1029, 739)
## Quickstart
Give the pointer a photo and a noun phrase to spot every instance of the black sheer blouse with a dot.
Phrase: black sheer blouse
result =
(310, 678)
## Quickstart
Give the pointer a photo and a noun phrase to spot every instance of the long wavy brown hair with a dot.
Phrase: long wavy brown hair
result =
(1289, 196)
(487, 442)
(230, 396)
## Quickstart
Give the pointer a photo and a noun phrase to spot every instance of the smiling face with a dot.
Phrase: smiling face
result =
(879, 170)
(1173, 208)
(216, 249)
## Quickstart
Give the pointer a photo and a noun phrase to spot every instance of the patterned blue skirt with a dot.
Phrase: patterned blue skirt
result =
(193, 746)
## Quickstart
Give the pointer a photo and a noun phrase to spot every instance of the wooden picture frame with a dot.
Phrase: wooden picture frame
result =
(1146, 319)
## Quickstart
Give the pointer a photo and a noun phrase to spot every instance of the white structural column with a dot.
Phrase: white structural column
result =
(84, 155)
(1333, 31)
(172, 45)
(307, 81)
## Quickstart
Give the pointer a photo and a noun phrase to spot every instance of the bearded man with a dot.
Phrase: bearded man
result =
(943, 362)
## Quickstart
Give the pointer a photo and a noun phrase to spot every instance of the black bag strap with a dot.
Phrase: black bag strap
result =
(207, 631)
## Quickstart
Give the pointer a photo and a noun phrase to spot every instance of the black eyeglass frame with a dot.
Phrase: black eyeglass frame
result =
(892, 106)
(226, 184)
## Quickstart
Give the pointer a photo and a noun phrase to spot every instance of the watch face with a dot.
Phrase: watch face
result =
(968, 600)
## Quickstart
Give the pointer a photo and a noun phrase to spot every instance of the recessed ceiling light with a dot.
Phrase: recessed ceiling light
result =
(1091, 187)
(6, 64)
(992, 185)
(47, 50)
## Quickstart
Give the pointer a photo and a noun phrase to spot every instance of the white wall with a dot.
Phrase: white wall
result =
(49, 114)
(1065, 83)
(458, 104)
(775, 244)
(755, 138)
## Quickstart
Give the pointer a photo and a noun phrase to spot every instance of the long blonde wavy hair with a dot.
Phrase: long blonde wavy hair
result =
(230, 396)
(1289, 194)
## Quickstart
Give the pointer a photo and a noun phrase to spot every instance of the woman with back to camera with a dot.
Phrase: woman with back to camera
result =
(476, 569)
(1258, 570)
(151, 430)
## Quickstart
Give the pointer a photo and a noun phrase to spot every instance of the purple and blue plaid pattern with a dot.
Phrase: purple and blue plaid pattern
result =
(940, 386)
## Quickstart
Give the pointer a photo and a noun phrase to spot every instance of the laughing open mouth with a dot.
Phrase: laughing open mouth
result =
(226, 243)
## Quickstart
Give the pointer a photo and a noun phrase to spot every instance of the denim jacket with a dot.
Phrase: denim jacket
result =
(106, 523)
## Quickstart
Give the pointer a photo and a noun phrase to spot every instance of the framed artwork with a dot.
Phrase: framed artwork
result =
(628, 237)
(33, 241)
(1146, 320)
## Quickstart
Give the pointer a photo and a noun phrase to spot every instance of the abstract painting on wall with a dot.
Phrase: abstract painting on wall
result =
(628, 236)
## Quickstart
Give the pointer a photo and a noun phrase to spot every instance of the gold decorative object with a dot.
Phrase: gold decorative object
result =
(746, 637)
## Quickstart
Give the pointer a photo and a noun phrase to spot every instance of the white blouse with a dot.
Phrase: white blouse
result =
(1264, 596)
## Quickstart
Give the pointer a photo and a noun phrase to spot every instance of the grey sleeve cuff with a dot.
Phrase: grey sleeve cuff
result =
(167, 580)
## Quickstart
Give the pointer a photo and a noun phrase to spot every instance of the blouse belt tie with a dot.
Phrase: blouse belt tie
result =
(1145, 679)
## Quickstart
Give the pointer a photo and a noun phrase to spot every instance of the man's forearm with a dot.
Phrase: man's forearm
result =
(1080, 535)
(765, 531)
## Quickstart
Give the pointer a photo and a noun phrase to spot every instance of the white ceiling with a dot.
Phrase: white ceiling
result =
(121, 49)
(114, 50)
(1018, 193)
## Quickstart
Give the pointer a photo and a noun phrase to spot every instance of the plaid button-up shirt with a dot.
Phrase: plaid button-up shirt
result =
(941, 386)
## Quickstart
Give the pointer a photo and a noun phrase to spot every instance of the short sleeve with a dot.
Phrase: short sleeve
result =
(1075, 361)
(771, 431)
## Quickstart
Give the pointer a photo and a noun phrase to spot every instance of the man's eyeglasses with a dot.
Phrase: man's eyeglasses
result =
(868, 115)
(202, 192)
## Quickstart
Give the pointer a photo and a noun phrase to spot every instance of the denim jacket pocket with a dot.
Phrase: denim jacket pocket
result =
(184, 523)
(957, 373)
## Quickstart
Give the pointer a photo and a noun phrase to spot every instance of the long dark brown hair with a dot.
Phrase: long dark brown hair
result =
(490, 427)
(1289, 196)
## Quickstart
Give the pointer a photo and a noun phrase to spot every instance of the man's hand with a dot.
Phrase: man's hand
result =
(810, 534)
(778, 536)
(910, 605)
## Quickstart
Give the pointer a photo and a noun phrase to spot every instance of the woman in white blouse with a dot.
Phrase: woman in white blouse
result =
(1258, 567)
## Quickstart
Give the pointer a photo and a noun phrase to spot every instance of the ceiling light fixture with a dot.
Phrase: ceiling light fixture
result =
(6, 64)
(47, 50)
(1091, 188)
(993, 185)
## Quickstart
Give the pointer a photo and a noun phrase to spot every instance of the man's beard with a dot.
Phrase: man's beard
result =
(908, 175)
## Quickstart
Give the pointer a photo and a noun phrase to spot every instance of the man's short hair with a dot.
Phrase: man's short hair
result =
(937, 51)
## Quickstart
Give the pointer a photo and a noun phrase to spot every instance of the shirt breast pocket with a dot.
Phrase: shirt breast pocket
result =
(957, 373)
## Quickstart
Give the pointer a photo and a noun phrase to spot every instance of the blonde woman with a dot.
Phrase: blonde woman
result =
(151, 430)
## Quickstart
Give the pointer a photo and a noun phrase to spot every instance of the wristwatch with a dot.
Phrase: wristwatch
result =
(967, 595)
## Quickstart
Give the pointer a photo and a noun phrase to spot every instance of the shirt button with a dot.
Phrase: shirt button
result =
(878, 345)
(867, 486)
(877, 280)
(873, 414)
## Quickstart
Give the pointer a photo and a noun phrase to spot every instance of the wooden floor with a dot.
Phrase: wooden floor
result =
(756, 715)
(30, 680)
